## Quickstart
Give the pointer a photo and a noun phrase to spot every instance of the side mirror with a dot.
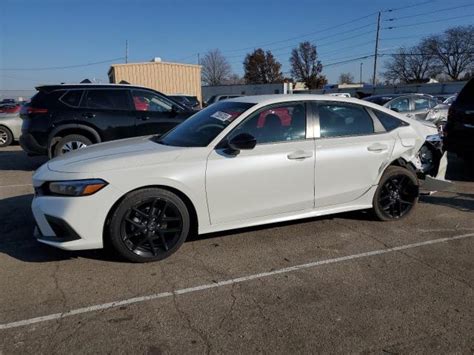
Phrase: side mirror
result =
(242, 141)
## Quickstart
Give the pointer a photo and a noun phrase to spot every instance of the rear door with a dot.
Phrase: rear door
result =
(109, 112)
(155, 114)
(351, 149)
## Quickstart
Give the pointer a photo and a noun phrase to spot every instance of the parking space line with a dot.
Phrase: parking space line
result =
(183, 291)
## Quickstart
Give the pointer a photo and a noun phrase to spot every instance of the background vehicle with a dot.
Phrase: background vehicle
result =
(411, 105)
(61, 118)
(459, 129)
(189, 101)
(238, 163)
(216, 98)
(10, 126)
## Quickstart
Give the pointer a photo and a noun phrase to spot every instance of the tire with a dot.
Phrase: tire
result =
(6, 137)
(140, 235)
(396, 195)
(69, 143)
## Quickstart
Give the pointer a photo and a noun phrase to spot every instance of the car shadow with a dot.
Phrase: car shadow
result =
(461, 201)
(16, 159)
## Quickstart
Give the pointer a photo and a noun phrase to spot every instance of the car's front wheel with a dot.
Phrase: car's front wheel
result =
(149, 225)
(396, 195)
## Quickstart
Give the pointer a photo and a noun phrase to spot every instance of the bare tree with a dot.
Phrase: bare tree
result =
(306, 67)
(262, 68)
(215, 68)
(454, 49)
(412, 65)
(234, 79)
(346, 78)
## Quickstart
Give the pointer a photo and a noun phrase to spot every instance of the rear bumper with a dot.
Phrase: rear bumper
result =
(31, 146)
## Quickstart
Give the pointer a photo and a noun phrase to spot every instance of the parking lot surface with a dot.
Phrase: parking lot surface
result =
(342, 283)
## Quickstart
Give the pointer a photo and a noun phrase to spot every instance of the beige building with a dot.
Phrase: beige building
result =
(168, 78)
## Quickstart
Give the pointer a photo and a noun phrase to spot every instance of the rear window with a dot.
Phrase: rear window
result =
(466, 96)
(72, 98)
(388, 121)
(106, 100)
(44, 99)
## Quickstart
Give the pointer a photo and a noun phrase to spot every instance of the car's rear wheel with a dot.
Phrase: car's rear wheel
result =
(70, 143)
(149, 225)
(396, 195)
(6, 137)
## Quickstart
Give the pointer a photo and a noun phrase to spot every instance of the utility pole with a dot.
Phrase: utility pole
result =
(126, 51)
(374, 78)
(199, 61)
(360, 74)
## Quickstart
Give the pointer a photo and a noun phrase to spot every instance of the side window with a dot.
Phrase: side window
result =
(281, 123)
(339, 119)
(106, 99)
(433, 103)
(421, 104)
(400, 105)
(148, 101)
(72, 98)
(388, 121)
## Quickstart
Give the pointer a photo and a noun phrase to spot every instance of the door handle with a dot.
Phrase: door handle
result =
(144, 118)
(409, 115)
(300, 155)
(88, 115)
(377, 147)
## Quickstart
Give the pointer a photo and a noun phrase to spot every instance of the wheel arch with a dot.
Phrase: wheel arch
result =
(7, 128)
(72, 128)
(184, 197)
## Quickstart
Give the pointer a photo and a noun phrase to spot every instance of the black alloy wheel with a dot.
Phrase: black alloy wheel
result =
(396, 195)
(149, 225)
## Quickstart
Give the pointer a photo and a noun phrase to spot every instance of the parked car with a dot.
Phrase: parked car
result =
(459, 129)
(191, 102)
(62, 118)
(411, 105)
(10, 108)
(224, 169)
(10, 127)
(341, 94)
(216, 98)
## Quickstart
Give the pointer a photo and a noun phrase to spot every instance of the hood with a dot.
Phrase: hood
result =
(115, 155)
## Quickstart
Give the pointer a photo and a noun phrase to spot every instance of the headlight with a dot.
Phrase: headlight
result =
(76, 187)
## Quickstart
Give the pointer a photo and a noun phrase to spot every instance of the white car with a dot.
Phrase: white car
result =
(242, 162)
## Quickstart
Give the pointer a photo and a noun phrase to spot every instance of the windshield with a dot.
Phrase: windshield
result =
(200, 129)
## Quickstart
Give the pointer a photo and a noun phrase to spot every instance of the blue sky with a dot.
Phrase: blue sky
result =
(50, 33)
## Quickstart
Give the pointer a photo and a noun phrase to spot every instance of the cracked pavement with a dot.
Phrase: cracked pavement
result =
(415, 300)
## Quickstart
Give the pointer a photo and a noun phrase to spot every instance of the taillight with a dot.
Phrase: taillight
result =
(35, 110)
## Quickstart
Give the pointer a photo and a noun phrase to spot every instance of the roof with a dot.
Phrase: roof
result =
(89, 85)
(153, 63)
(270, 99)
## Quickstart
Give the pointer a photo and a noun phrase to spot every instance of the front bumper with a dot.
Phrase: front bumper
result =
(73, 223)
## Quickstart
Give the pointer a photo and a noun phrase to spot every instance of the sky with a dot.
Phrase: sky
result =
(38, 38)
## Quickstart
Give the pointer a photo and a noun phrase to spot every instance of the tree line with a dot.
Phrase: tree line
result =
(261, 67)
(447, 56)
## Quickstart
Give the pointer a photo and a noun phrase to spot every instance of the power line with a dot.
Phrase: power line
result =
(427, 22)
(429, 12)
(409, 6)
(64, 67)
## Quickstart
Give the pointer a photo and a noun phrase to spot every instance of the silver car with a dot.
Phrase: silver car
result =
(413, 105)
(10, 128)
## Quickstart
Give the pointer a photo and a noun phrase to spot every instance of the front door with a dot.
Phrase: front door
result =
(154, 113)
(274, 178)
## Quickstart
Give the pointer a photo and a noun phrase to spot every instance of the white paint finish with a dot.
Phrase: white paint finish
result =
(260, 182)
(257, 187)
(11, 186)
(346, 167)
(109, 305)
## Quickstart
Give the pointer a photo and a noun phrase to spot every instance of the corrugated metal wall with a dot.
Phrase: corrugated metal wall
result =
(169, 78)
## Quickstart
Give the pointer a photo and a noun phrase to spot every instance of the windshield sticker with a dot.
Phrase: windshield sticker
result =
(222, 116)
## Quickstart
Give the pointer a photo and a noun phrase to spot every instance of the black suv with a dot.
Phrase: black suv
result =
(459, 130)
(61, 118)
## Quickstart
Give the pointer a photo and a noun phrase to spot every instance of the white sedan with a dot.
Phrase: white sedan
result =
(242, 162)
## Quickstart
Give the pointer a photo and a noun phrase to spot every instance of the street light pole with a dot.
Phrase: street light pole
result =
(360, 74)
